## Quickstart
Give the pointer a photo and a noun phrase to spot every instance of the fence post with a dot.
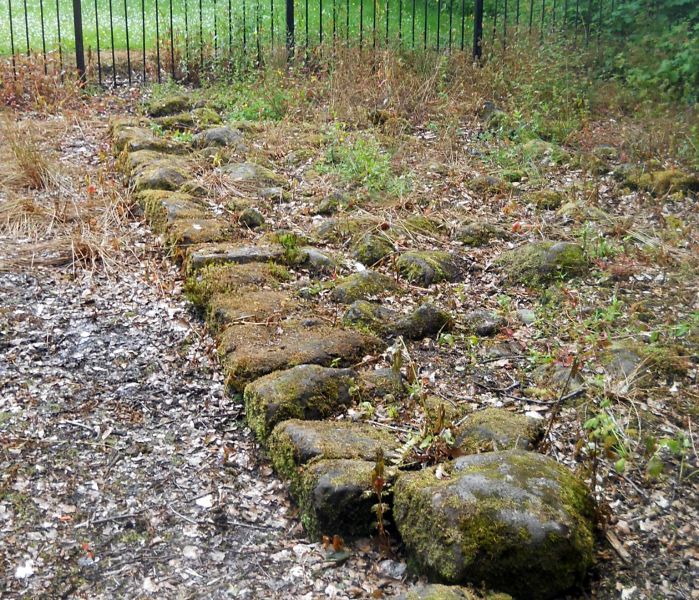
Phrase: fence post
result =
(79, 44)
(290, 35)
(478, 30)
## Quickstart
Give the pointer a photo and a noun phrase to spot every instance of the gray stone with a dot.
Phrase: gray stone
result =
(422, 322)
(170, 105)
(527, 316)
(250, 172)
(484, 322)
(479, 233)
(219, 137)
(515, 521)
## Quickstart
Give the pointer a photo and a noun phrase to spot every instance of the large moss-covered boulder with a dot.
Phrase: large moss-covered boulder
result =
(538, 263)
(372, 248)
(295, 443)
(169, 105)
(183, 233)
(436, 591)
(497, 429)
(162, 175)
(135, 139)
(427, 267)
(362, 285)
(337, 497)
(545, 199)
(308, 392)
(516, 521)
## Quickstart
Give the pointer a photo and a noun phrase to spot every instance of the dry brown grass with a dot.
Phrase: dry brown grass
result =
(54, 209)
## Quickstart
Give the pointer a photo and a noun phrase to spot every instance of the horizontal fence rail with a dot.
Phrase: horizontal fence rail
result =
(137, 41)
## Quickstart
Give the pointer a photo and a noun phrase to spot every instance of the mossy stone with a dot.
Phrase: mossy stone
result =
(256, 305)
(336, 498)
(484, 184)
(162, 176)
(169, 105)
(379, 383)
(546, 199)
(479, 233)
(497, 429)
(251, 351)
(542, 152)
(516, 521)
(539, 263)
(218, 254)
(427, 267)
(184, 233)
(436, 591)
(134, 139)
(307, 392)
(659, 182)
(340, 230)
(251, 172)
(218, 137)
(372, 248)
(424, 321)
(252, 218)
(235, 279)
(362, 285)
(180, 121)
(295, 443)
(161, 208)
(420, 224)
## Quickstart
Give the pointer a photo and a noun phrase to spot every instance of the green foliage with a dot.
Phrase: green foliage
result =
(253, 99)
(660, 53)
(361, 162)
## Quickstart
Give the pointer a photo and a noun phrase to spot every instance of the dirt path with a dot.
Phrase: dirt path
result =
(125, 470)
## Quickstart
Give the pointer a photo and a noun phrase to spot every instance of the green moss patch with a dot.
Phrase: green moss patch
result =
(538, 263)
(428, 267)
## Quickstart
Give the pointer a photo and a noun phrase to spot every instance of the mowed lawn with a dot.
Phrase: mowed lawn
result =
(230, 23)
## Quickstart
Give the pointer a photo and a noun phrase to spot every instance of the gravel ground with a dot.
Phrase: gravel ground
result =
(124, 470)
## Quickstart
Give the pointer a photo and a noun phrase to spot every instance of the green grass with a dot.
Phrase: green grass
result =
(216, 16)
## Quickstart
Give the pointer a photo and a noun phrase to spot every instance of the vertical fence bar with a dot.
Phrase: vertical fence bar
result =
(143, 35)
(79, 43)
(347, 21)
(388, 8)
(334, 22)
(290, 33)
(451, 20)
(201, 37)
(43, 36)
(531, 15)
(376, 2)
(320, 22)
(271, 12)
(111, 40)
(478, 30)
(413, 27)
(258, 33)
(215, 31)
(439, 21)
(172, 43)
(495, 21)
(504, 27)
(306, 26)
(245, 32)
(463, 24)
(517, 14)
(230, 28)
(97, 32)
(424, 33)
(58, 31)
(157, 41)
(588, 23)
(543, 14)
(361, 24)
(128, 44)
(26, 27)
(400, 23)
(12, 40)
(577, 19)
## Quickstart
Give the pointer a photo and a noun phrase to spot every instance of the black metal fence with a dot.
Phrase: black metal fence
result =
(136, 41)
